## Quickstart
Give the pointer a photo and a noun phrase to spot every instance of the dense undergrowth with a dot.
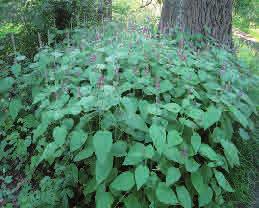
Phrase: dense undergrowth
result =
(114, 117)
(245, 16)
(31, 22)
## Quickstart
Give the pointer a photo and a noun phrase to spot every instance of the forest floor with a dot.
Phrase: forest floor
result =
(253, 42)
(244, 36)
(249, 39)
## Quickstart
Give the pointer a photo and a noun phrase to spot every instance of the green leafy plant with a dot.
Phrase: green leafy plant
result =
(119, 118)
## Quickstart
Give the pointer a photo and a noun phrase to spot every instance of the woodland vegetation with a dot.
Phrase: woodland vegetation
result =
(135, 104)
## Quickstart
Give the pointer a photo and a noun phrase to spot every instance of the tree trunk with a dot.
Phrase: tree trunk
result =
(207, 17)
(105, 9)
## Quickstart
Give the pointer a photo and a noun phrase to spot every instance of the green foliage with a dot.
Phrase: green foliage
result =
(246, 11)
(245, 177)
(44, 14)
(245, 16)
(41, 22)
(124, 120)
(248, 53)
(165, 194)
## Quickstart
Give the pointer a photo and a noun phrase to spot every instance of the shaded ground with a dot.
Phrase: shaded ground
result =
(253, 42)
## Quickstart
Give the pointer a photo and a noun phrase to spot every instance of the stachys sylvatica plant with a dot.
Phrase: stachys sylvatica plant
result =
(124, 120)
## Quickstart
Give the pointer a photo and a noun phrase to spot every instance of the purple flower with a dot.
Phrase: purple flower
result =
(222, 72)
(240, 93)
(65, 88)
(56, 95)
(184, 152)
(161, 27)
(93, 58)
(145, 30)
(227, 86)
(79, 92)
(184, 58)
(157, 85)
(157, 99)
(78, 73)
(148, 19)
(136, 71)
(97, 36)
(100, 82)
(190, 89)
(146, 71)
(117, 73)
(181, 43)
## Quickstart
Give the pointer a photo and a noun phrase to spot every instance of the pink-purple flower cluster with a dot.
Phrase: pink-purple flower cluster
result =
(100, 82)
(93, 58)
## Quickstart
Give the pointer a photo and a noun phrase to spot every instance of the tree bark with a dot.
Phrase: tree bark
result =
(207, 17)
(105, 9)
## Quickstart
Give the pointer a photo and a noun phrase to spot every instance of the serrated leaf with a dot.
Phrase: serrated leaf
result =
(196, 142)
(104, 200)
(227, 127)
(15, 107)
(40, 130)
(204, 191)
(184, 196)
(158, 136)
(174, 138)
(216, 188)
(188, 123)
(243, 134)
(191, 165)
(90, 186)
(206, 196)
(222, 181)
(149, 152)
(135, 154)
(132, 201)
(165, 194)
(49, 152)
(197, 182)
(119, 148)
(59, 135)
(16, 70)
(218, 135)
(78, 138)
(165, 85)
(123, 182)
(30, 121)
(206, 151)
(174, 154)
(20, 58)
(239, 116)
(130, 104)
(173, 175)
(211, 116)
(103, 169)
(141, 175)
(172, 107)
(136, 122)
(108, 120)
(102, 142)
(195, 114)
(6, 84)
(231, 153)
(84, 154)
(154, 109)
(68, 123)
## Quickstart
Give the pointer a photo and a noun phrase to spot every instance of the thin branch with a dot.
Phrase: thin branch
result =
(145, 5)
